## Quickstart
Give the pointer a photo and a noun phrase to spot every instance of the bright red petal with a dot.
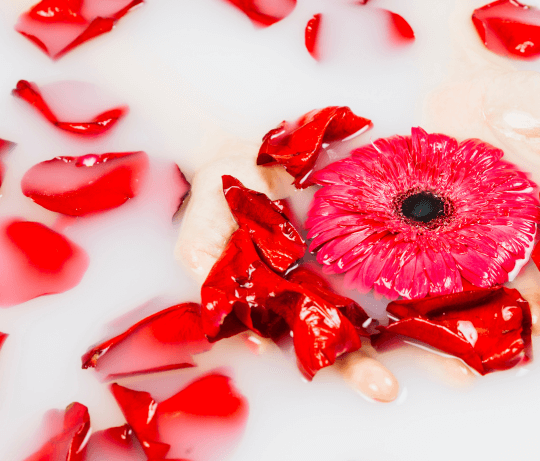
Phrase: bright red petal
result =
(114, 444)
(3, 337)
(29, 92)
(51, 11)
(77, 186)
(163, 341)
(69, 444)
(509, 28)
(312, 36)
(278, 242)
(297, 145)
(535, 255)
(264, 13)
(400, 29)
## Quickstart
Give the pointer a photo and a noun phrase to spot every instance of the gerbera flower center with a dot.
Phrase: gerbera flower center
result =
(423, 207)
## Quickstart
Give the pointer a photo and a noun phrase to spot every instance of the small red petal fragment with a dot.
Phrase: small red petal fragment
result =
(297, 145)
(489, 329)
(400, 29)
(69, 444)
(163, 341)
(95, 127)
(3, 337)
(5, 147)
(264, 13)
(312, 36)
(509, 28)
(278, 242)
(77, 186)
(51, 11)
(535, 255)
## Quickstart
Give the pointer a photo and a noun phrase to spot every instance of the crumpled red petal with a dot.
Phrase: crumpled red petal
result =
(58, 26)
(100, 124)
(509, 28)
(489, 329)
(312, 36)
(278, 242)
(266, 12)
(69, 444)
(296, 145)
(89, 184)
(163, 341)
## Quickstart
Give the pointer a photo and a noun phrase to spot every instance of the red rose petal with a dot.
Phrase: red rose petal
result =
(114, 444)
(57, 35)
(3, 337)
(51, 11)
(36, 261)
(5, 147)
(77, 186)
(264, 13)
(278, 242)
(509, 28)
(400, 29)
(69, 444)
(297, 145)
(165, 340)
(95, 127)
(489, 329)
(312, 36)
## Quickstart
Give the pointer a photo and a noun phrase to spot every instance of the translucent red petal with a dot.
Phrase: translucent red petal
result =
(509, 28)
(312, 36)
(77, 186)
(264, 13)
(163, 341)
(51, 11)
(297, 145)
(114, 444)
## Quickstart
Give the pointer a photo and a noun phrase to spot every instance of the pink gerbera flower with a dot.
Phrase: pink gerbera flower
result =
(410, 216)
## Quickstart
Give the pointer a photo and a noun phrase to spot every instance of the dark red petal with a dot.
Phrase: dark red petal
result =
(509, 28)
(51, 11)
(400, 29)
(114, 444)
(68, 445)
(163, 341)
(264, 13)
(312, 36)
(278, 242)
(297, 145)
(139, 409)
(489, 329)
(89, 184)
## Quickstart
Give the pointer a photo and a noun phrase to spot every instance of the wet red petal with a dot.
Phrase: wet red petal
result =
(63, 30)
(78, 186)
(278, 242)
(297, 145)
(400, 29)
(115, 443)
(162, 341)
(312, 36)
(95, 127)
(489, 329)
(509, 28)
(264, 13)
(68, 445)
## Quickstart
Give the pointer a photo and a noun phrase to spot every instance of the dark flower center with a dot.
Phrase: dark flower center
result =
(423, 207)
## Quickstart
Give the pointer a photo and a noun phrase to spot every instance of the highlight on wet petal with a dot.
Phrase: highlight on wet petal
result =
(276, 239)
(99, 125)
(70, 441)
(400, 30)
(312, 36)
(264, 13)
(509, 28)
(58, 26)
(166, 340)
(297, 145)
(412, 216)
(36, 261)
(202, 421)
(489, 329)
(78, 186)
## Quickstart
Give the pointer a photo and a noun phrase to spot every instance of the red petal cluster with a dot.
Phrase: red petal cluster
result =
(489, 329)
(312, 36)
(162, 341)
(509, 28)
(58, 26)
(266, 12)
(296, 145)
(68, 445)
(101, 123)
(88, 184)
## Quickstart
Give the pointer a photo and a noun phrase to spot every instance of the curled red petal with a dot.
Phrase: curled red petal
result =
(509, 28)
(278, 242)
(400, 29)
(69, 444)
(51, 11)
(30, 93)
(264, 13)
(489, 329)
(89, 184)
(312, 36)
(165, 340)
(297, 145)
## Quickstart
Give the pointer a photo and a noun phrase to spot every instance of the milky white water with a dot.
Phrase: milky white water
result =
(191, 71)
